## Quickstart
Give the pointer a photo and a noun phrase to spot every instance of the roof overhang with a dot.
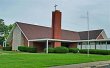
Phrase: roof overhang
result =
(59, 40)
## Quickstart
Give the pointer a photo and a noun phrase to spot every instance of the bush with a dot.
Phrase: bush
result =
(27, 49)
(102, 52)
(50, 50)
(23, 48)
(83, 51)
(73, 50)
(61, 50)
(8, 48)
(31, 50)
(93, 51)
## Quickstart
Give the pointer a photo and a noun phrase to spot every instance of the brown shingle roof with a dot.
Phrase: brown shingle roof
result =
(93, 34)
(38, 32)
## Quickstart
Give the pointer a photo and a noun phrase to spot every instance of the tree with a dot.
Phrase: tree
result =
(2, 29)
(8, 29)
(2, 25)
(5, 29)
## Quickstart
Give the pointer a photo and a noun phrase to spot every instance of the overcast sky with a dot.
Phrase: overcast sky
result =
(39, 12)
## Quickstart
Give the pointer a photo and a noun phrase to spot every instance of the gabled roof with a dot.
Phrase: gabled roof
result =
(93, 34)
(39, 32)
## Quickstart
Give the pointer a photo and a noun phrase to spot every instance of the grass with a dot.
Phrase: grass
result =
(41, 60)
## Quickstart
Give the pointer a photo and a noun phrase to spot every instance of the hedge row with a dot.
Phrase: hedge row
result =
(93, 51)
(76, 50)
(73, 50)
(27, 49)
(62, 50)
(8, 48)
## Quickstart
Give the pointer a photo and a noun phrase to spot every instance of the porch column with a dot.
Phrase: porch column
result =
(3, 44)
(81, 45)
(95, 45)
(28, 43)
(47, 46)
(106, 45)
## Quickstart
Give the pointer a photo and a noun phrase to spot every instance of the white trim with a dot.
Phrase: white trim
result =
(37, 40)
(104, 35)
(99, 34)
(58, 40)
(69, 40)
(22, 31)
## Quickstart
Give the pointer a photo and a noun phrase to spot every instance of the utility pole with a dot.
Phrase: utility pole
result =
(88, 33)
(88, 30)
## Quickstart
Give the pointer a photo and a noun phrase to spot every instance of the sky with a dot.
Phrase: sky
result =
(74, 13)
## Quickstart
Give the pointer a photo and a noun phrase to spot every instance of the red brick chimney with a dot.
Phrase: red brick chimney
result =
(56, 27)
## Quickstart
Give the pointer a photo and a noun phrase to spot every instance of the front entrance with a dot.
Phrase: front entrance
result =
(40, 46)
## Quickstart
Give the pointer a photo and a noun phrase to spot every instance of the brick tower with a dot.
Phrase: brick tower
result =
(56, 27)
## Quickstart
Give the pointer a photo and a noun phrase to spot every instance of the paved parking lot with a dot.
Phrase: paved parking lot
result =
(100, 64)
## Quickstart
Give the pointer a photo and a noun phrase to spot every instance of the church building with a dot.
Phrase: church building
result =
(41, 37)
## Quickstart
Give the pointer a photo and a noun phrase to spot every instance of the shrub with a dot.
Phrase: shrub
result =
(27, 49)
(83, 51)
(61, 50)
(50, 50)
(23, 48)
(73, 50)
(93, 51)
(8, 48)
(102, 52)
(31, 49)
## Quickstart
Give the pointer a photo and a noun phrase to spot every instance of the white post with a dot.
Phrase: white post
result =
(47, 46)
(28, 43)
(106, 45)
(88, 30)
(3, 44)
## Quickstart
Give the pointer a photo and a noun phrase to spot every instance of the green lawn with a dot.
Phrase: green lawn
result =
(37, 60)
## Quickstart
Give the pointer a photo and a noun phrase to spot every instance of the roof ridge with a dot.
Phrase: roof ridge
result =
(92, 30)
(43, 26)
(61, 29)
(33, 24)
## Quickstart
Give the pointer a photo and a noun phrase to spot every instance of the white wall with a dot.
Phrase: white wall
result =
(108, 47)
(92, 46)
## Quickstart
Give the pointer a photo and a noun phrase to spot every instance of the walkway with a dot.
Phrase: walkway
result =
(100, 64)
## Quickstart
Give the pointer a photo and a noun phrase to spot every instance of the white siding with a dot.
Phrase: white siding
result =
(84, 46)
(92, 47)
(79, 46)
(108, 47)
(103, 47)
(98, 46)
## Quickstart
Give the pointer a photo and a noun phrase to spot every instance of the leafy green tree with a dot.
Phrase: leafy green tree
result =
(2, 26)
(5, 29)
(2, 29)
(8, 29)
